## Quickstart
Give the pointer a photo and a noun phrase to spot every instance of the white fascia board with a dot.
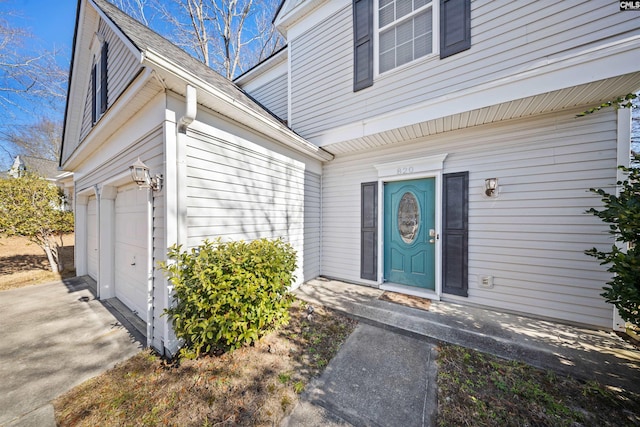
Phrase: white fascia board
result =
(97, 134)
(230, 105)
(308, 15)
(125, 40)
(78, 83)
(608, 61)
(266, 71)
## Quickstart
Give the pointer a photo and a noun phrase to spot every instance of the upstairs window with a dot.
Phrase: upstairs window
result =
(99, 83)
(405, 32)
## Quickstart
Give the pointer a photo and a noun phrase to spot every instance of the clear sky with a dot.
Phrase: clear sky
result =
(50, 21)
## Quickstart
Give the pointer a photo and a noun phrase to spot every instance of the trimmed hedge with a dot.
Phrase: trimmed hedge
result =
(229, 294)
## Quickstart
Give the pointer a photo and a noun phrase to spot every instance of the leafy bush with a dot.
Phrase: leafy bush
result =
(229, 294)
(31, 206)
(622, 213)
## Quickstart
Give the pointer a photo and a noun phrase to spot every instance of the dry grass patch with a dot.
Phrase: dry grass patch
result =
(252, 386)
(477, 389)
(23, 263)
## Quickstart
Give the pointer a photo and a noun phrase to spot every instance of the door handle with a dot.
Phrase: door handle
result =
(434, 236)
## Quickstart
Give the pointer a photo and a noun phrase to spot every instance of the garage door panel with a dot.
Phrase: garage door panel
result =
(131, 248)
(92, 238)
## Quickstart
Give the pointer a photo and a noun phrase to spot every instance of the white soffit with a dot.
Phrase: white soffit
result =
(564, 99)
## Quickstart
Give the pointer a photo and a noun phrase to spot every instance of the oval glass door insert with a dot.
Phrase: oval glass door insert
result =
(408, 217)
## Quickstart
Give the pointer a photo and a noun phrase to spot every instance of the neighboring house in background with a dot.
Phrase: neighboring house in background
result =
(47, 169)
(431, 148)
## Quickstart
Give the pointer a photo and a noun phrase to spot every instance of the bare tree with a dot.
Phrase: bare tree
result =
(39, 139)
(230, 36)
(27, 76)
(137, 9)
(32, 84)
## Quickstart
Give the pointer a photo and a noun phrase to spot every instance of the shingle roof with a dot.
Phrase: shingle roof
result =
(145, 39)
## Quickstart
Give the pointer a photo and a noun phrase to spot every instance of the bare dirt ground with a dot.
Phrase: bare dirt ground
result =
(23, 263)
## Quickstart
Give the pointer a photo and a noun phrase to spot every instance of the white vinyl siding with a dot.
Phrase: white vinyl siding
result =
(531, 238)
(505, 42)
(312, 230)
(122, 68)
(273, 96)
(237, 190)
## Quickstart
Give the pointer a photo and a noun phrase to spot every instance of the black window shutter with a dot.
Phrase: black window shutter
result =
(94, 97)
(455, 26)
(103, 77)
(455, 233)
(362, 44)
(369, 231)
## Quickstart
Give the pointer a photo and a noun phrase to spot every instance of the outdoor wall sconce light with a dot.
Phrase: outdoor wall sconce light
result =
(491, 187)
(140, 175)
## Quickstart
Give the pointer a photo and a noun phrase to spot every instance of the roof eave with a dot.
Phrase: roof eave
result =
(238, 111)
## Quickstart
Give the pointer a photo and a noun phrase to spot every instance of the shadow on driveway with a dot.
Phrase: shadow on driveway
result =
(54, 337)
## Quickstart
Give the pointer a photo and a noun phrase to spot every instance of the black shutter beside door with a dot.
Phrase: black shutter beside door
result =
(362, 44)
(455, 26)
(455, 233)
(369, 231)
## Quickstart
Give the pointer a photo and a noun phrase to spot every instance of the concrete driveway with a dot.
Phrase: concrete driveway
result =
(52, 338)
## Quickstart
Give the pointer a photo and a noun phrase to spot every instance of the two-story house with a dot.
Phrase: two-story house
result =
(426, 147)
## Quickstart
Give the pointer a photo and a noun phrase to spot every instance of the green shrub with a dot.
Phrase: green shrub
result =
(229, 294)
(622, 213)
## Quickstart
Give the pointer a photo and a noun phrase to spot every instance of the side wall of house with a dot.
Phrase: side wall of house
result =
(507, 40)
(243, 186)
(122, 68)
(531, 238)
(273, 95)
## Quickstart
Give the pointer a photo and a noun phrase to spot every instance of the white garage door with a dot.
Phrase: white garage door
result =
(131, 248)
(92, 238)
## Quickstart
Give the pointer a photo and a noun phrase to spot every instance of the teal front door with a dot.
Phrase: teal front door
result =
(409, 233)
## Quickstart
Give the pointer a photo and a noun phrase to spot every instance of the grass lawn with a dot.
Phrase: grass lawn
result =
(23, 263)
(476, 389)
(252, 386)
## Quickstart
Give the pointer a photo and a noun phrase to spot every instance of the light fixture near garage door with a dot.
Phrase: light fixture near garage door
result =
(141, 176)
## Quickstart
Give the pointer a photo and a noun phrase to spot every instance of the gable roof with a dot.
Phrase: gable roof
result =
(145, 40)
(179, 68)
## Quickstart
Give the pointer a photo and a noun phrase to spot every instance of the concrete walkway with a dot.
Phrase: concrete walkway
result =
(385, 373)
(54, 337)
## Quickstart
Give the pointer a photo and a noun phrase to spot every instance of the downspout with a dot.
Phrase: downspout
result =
(623, 158)
(150, 281)
(182, 124)
(191, 108)
(96, 190)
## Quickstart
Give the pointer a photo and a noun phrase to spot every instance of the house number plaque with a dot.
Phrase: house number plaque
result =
(405, 170)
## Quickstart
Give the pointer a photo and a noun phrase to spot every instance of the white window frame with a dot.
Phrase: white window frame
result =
(435, 38)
